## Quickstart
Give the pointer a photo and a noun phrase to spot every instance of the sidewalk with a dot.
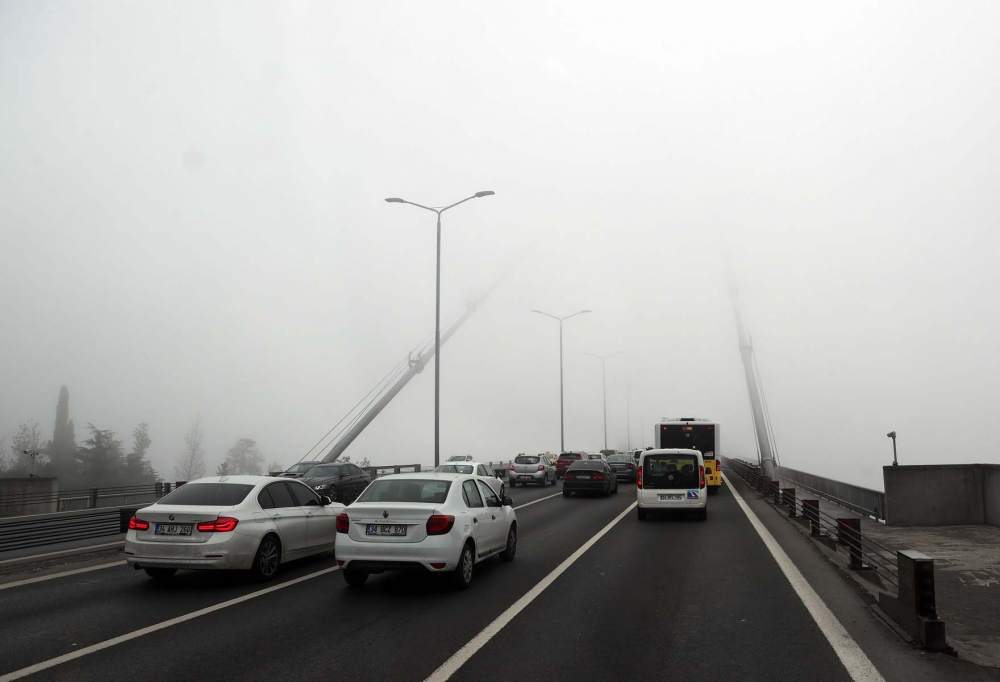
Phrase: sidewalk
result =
(966, 575)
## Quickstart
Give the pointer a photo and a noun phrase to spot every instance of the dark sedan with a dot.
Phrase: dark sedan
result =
(590, 476)
(340, 482)
(298, 470)
(624, 467)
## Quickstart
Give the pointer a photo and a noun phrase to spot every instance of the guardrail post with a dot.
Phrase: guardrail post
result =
(849, 535)
(917, 599)
(395, 469)
(810, 511)
(416, 468)
(92, 503)
(158, 489)
(788, 495)
(178, 484)
(774, 490)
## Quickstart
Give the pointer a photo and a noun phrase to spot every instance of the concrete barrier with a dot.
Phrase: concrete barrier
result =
(27, 496)
(942, 494)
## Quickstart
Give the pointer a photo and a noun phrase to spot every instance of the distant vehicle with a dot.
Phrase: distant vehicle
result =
(531, 469)
(696, 434)
(565, 460)
(624, 467)
(590, 476)
(672, 479)
(490, 477)
(342, 482)
(439, 523)
(636, 454)
(298, 470)
(461, 458)
(597, 455)
(250, 523)
(609, 453)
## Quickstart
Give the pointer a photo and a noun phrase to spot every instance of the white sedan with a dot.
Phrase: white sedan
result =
(435, 522)
(482, 469)
(231, 522)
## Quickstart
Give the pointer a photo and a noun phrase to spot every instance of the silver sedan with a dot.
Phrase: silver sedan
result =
(231, 522)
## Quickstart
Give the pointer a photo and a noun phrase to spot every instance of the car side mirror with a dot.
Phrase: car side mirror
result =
(507, 502)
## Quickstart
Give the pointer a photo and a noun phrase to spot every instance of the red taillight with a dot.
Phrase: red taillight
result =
(440, 525)
(511, 467)
(343, 523)
(541, 467)
(223, 524)
(137, 524)
(598, 477)
(638, 481)
(631, 466)
(438, 566)
(567, 476)
(702, 477)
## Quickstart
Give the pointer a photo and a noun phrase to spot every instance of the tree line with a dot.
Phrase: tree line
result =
(104, 461)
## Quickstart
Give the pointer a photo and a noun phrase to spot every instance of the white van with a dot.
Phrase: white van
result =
(672, 479)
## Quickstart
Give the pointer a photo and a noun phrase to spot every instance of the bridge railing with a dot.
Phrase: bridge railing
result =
(861, 500)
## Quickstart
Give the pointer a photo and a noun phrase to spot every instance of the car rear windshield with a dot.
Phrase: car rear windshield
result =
(208, 494)
(586, 464)
(570, 455)
(454, 468)
(321, 470)
(670, 471)
(296, 468)
(619, 458)
(406, 490)
(526, 459)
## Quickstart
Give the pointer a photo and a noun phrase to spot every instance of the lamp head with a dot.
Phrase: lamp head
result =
(891, 434)
(394, 200)
(487, 193)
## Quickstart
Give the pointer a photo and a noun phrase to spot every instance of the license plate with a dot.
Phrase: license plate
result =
(383, 529)
(526, 478)
(172, 529)
(583, 478)
(671, 497)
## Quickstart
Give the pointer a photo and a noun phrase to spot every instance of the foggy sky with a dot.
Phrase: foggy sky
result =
(192, 222)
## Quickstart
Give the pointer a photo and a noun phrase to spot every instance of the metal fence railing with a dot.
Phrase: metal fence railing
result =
(23, 532)
(862, 500)
(863, 552)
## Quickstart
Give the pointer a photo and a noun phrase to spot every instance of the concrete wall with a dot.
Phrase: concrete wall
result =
(45, 489)
(942, 494)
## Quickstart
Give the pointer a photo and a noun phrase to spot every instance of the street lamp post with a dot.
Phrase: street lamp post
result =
(892, 434)
(562, 426)
(437, 313)
(604, 381)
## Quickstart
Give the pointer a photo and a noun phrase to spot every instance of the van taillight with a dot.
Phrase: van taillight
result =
(223, 524)
(137, 524)
(702, 477)
(638, 481)
(439, 524)
(343, 523)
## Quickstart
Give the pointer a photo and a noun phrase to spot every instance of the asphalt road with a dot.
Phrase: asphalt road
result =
(669, 597)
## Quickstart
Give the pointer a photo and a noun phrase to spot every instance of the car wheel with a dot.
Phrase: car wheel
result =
(507, 555)
(566, 493)
(641, 513)
(703, 514)
(714, 490)
(355, 578)
(513, 485)
(267, 560)
(161, 573)
(461, 577)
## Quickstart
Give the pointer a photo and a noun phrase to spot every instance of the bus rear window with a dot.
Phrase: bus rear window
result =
(670, 471)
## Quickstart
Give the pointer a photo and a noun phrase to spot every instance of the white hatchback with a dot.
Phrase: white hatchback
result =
(434, 522)
(231, 522)
(671, 479)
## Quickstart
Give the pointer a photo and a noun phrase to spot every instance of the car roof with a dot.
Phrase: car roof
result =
(672, 451)
(241, 480)
(425, 475)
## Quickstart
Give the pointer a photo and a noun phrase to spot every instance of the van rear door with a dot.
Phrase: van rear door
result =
(670, 472)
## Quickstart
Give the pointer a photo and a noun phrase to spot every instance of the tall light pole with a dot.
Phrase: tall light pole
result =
(604, 380)
(892, 434)
(562, 426)
(437, 313)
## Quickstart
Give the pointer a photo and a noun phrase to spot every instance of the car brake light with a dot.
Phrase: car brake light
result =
(439, 524)
(511, 467)
(598, 477)
(343, 523)
(223, 524)
(702, 477)
(438, 566)
(638, 481)
(137, 524)
(631, 466)
(541, 467)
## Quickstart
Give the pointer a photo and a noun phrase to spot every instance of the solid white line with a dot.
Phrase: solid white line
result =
(43, 578)
(458, 659)
(859, 667)
(79, 550)
(540, 499)
(52, 662)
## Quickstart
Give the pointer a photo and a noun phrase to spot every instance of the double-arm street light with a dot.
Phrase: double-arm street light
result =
(562, 424)
(437, 313)
(604, 379)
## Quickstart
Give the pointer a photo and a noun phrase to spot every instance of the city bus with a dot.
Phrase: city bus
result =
(695, 434)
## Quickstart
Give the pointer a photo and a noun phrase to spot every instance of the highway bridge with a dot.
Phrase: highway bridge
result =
(592, 595)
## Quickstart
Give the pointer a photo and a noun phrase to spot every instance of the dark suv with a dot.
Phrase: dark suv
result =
(341, 482)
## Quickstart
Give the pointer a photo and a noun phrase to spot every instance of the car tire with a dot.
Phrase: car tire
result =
(513, 485)
(355, 578)
(507, 555)
(714, 490)
(267, 560)
(566, 493)
(161, 574)
(461, 577)
(641, 513)
(703, 514)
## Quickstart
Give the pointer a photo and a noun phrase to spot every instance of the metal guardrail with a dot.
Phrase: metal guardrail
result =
(21, 532)
(862, 500)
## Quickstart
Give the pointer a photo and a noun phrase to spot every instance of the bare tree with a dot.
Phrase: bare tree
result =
(192, 461)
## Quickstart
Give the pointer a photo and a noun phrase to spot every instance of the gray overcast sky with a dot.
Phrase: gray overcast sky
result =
(191, 221)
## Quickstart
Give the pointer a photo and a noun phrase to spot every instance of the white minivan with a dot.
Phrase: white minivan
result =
(671, 479)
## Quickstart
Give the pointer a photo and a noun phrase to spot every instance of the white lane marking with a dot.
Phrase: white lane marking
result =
(859, 667)
(79, 550)
(458, 659)
(43, 578)
(540, 499)
(52, 662)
